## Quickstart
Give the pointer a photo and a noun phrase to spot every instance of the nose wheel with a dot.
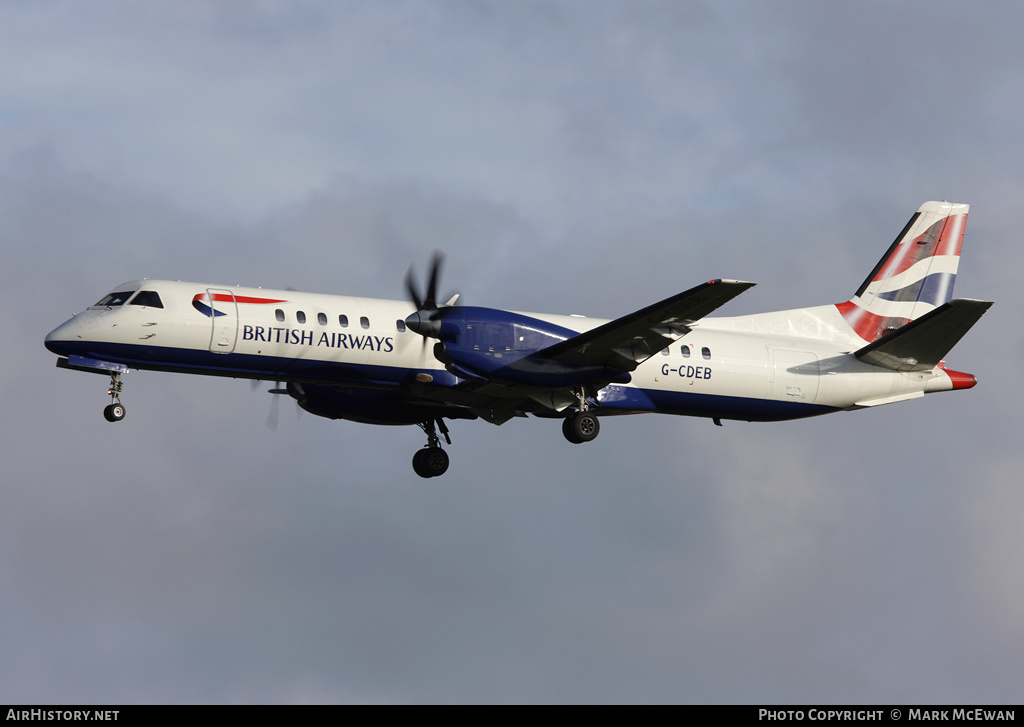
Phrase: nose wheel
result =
(114, 412)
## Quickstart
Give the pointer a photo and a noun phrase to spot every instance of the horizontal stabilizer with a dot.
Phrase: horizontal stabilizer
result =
(922, 343)
(627, 342)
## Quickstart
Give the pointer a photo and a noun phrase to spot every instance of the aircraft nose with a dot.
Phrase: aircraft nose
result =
(61, 335)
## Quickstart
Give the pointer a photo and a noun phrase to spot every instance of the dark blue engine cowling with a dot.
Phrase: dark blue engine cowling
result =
(496, 345)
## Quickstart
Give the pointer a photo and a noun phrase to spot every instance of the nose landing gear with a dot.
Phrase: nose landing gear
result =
(114, 412)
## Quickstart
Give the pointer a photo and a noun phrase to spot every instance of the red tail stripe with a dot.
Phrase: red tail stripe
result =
(950, 239)
(867, 325)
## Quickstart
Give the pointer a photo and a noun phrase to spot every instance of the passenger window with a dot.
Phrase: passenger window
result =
(279, 314)
(112, 299)
(364, 322)
(685, 350)
(321, 318)
(706, 353)
(400, 325)
(343, 321)
(300, 317)
(664, 351)
(148, 298)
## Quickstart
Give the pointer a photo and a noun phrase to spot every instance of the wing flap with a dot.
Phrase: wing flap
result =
(922, 343)
(626, 342)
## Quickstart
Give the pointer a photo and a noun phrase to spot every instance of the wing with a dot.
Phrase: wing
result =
(625, 343)
(497, 388)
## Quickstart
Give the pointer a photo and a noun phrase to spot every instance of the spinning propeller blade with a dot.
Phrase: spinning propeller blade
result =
(426, 321)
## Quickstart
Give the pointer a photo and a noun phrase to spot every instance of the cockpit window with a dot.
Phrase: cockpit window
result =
(116, 298)
(148, 297)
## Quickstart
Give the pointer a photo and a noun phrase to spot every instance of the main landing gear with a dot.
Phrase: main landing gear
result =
(581, 426)
(432, 461)
(114, 412)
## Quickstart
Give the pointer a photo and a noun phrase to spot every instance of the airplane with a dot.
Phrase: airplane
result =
(370, 360)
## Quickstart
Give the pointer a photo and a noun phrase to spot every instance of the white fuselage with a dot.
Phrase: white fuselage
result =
(766, 366)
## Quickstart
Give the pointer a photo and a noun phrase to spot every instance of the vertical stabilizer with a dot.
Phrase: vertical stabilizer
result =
(914, 277)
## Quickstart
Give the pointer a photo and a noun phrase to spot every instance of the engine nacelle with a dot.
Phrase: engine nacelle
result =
(495, 345)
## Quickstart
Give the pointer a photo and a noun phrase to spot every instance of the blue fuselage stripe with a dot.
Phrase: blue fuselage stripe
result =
(614, 398)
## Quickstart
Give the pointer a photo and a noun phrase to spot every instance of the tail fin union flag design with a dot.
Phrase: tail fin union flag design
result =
(916, 275)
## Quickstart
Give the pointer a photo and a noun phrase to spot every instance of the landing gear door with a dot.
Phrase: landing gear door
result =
(225, 320)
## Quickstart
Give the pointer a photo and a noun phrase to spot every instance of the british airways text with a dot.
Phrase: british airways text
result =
(298, 336)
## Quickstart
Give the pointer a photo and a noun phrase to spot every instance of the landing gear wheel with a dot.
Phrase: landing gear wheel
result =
(430, 462)
(114, 412)
(567, 431)
(581, 427)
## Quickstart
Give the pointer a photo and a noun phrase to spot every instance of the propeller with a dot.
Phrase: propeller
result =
(430, 301)
(426, 321)
(275, 407)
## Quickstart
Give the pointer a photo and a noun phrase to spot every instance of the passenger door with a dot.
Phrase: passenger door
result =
(224, 319)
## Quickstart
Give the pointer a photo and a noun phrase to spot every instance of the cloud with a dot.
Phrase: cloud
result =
(571, 158)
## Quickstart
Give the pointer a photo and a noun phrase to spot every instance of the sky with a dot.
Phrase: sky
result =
(569, 157)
